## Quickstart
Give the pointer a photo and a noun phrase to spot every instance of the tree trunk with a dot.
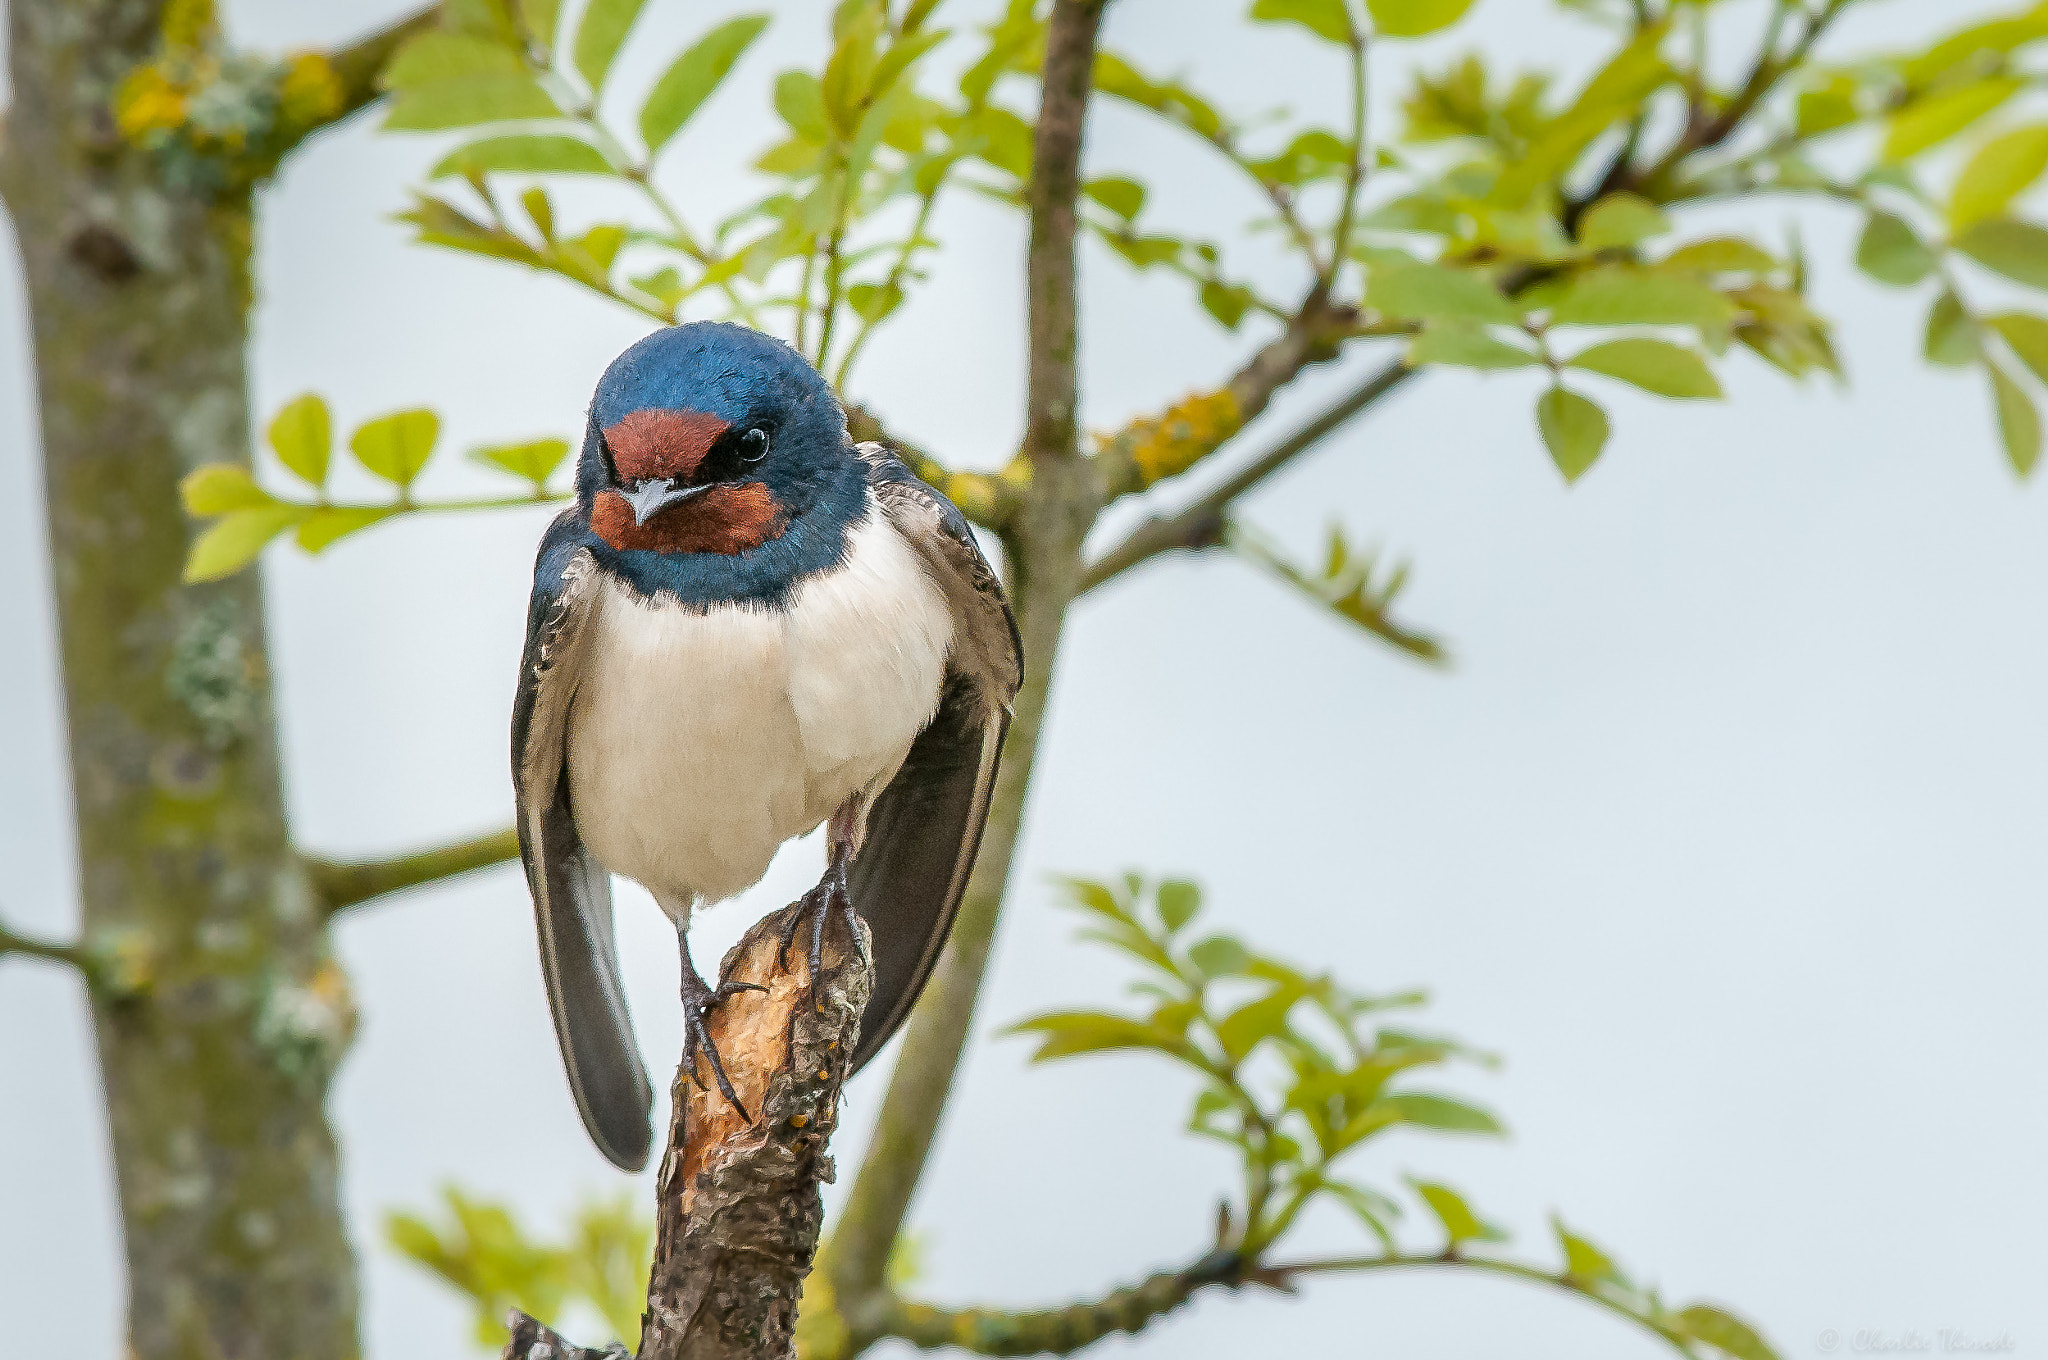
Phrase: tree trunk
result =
(218, 1012)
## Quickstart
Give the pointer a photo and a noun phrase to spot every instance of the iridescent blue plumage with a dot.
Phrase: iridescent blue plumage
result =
(746, 627)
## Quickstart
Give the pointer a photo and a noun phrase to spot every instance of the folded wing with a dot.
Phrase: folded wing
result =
(572, 896)
(924, 829)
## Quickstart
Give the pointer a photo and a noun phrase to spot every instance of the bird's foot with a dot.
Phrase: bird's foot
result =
(699, 1000)
(817, 906)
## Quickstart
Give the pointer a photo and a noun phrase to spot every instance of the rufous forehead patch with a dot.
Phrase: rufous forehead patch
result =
(649, 444)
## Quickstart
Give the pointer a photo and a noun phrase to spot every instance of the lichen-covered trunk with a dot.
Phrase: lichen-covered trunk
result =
(218, 1012)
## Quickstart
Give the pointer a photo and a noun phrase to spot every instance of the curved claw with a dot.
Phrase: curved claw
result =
(818, 904)
(699, 1002)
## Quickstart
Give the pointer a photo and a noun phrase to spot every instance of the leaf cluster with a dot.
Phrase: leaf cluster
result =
(394, 448)
(1296, 1073)
(481, 1250)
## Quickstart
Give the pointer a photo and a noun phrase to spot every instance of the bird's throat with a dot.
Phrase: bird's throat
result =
(725, 519)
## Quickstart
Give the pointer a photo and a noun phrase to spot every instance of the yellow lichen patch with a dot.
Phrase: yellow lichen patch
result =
(1167, 445)
(310, 92)
(189, 24)
(148, 102)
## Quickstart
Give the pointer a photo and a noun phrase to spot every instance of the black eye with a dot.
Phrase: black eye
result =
(753, 446)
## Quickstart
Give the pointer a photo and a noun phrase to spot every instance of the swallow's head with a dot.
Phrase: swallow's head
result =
(707, 437)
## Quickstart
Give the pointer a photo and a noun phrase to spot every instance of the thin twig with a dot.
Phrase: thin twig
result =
(1571, 1284)
(1354, 177)
(1200, 523)
(29, 946)
(360, 65)
(347, 883)
(1052, 429)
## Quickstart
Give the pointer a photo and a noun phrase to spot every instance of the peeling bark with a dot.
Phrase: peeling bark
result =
(739, 1207)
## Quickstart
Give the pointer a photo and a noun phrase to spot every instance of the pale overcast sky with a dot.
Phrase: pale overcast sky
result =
(1724, 830)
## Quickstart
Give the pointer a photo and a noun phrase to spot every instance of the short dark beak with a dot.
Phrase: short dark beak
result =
(648, 497)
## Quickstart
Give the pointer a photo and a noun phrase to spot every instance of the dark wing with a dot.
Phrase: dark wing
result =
(924, 829)
(572, 894)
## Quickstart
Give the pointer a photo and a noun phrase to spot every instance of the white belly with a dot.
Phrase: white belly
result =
(701, 740)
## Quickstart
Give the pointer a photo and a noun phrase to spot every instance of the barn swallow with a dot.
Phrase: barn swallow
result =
(746, 627)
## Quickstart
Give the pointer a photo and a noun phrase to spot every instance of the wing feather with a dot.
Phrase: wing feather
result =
(572, 897)
(924, 829)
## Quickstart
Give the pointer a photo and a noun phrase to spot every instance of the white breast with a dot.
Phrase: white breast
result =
(701, 740)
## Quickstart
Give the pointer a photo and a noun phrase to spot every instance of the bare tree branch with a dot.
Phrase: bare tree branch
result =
(1200, 523)
(1059, 1331)
(358, 66)
(1051, 427)
(30, 947)
(347, 883)
(1153, 448)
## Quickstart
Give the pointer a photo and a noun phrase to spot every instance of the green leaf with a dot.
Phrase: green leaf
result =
(397, 446)
(234, 541)
(303, 436)
(1952, 337)
(1574, 430)
(535, 461)
(1459, 1223)
(1226, 302)
(1724, 1332)
(1466, 347)
(1220, 956)
(1124, 197)
(221, 488)
(1428, 291)
(1244, 1027)
(524, 155)
(540, 211)
(600, 36)
(802, 105)
(2003, 168)
(438, 55)
(1313, 155)
(1415, 18)
(542, 17)
(1091, 896)
(2018, 250)
(873, 302)
(2028, 336)
(468, 102)
(1583, 1261)
(1614, 94)
(2019, 424)
(1441, 1113)
(485, 18)
(1179, 900)
(1653, 365)
(1721, 255)
(324, 526)
(1622, 297)
(1177, 103)
(1324, 18)
(1071, 1033)
(1621, 220)
(694, 76)
(1890, 251)
(1932, 120)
